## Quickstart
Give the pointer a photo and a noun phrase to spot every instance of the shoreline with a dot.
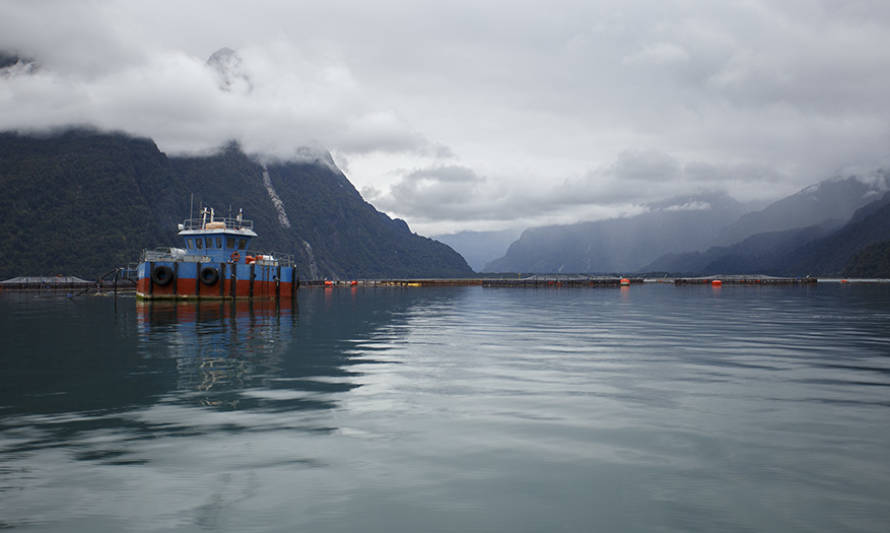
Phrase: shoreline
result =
(538, 281)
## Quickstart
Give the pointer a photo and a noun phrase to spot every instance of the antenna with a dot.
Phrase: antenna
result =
(191, 204)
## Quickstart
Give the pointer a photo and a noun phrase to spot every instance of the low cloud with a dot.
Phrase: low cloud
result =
(450, 198)
(271, 100)
(644, 166)
(441, 192)
(658, 54)
(689, 206)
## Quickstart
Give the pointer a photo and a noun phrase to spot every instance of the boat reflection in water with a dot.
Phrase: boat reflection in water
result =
(222, 349)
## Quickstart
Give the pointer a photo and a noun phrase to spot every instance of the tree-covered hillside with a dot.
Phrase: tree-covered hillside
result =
(76, 203)
(82, 202)
(871, 262)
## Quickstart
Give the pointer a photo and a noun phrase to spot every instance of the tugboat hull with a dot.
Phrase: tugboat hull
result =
(159, 280)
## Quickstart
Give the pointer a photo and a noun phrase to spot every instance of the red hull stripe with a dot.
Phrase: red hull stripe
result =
(190, 288)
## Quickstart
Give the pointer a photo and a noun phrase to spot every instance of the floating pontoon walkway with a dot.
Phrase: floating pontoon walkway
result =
(46, 282)
(528, 282)
(553, 281)
(744, 280)
(534, 281)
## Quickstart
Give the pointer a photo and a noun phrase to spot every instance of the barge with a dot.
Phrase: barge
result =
(216, 262)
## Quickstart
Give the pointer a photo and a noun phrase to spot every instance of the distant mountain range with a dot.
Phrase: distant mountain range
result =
(621, 244)
(817, 230)
(834, 199)
(82, 202)
(871, 262)
(824, 249)
(480, 247)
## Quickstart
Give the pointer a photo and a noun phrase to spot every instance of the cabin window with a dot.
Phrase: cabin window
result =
(219, 242)
(198, 243)
(208, 242)
(242, 243)
(189, 244)
(230, 242)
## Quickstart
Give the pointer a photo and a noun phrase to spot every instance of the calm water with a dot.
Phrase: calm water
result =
(657, 408)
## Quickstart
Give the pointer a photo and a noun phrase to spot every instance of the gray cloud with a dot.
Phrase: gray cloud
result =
(582, 109)
(271, 96)
(447, 196)
(645, 165)
(435, 193)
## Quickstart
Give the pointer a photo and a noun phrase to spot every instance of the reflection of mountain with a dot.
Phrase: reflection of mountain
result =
(263, 355)
(76, 355)
(75, 368)
(89, 355)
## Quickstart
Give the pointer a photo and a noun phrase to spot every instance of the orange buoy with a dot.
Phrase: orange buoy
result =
(843, 281)
(625, 282)
(716, 283)
(353, 283)
(328, 283)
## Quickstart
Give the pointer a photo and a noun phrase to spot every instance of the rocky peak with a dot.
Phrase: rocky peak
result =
(228, 66)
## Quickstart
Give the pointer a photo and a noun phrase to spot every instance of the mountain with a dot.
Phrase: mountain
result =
(7, 59)
(829, 255)
(826, 249)
(480, 247)
(82, 202)
(10, 62)
(621, 244)
(872, 262)
(758, 254)
(833, 199)
(228, 67)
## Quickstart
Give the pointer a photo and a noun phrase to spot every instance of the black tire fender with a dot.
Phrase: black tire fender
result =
(162, 275)
(209, 275)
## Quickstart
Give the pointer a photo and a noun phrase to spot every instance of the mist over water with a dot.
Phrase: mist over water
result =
(653, 408)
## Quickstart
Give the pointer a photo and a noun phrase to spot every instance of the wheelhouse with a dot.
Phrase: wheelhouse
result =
(220, 239)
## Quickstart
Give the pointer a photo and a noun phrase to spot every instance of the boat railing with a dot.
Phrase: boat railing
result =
(172, 254)
(260, 257)
(277, 258)
(217, 223)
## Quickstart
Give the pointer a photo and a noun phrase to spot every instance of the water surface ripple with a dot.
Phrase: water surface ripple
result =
(653, 408)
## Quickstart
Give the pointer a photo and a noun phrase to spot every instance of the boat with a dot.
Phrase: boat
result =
(216, 262)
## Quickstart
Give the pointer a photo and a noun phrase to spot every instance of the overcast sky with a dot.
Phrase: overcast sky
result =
(479, 115)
